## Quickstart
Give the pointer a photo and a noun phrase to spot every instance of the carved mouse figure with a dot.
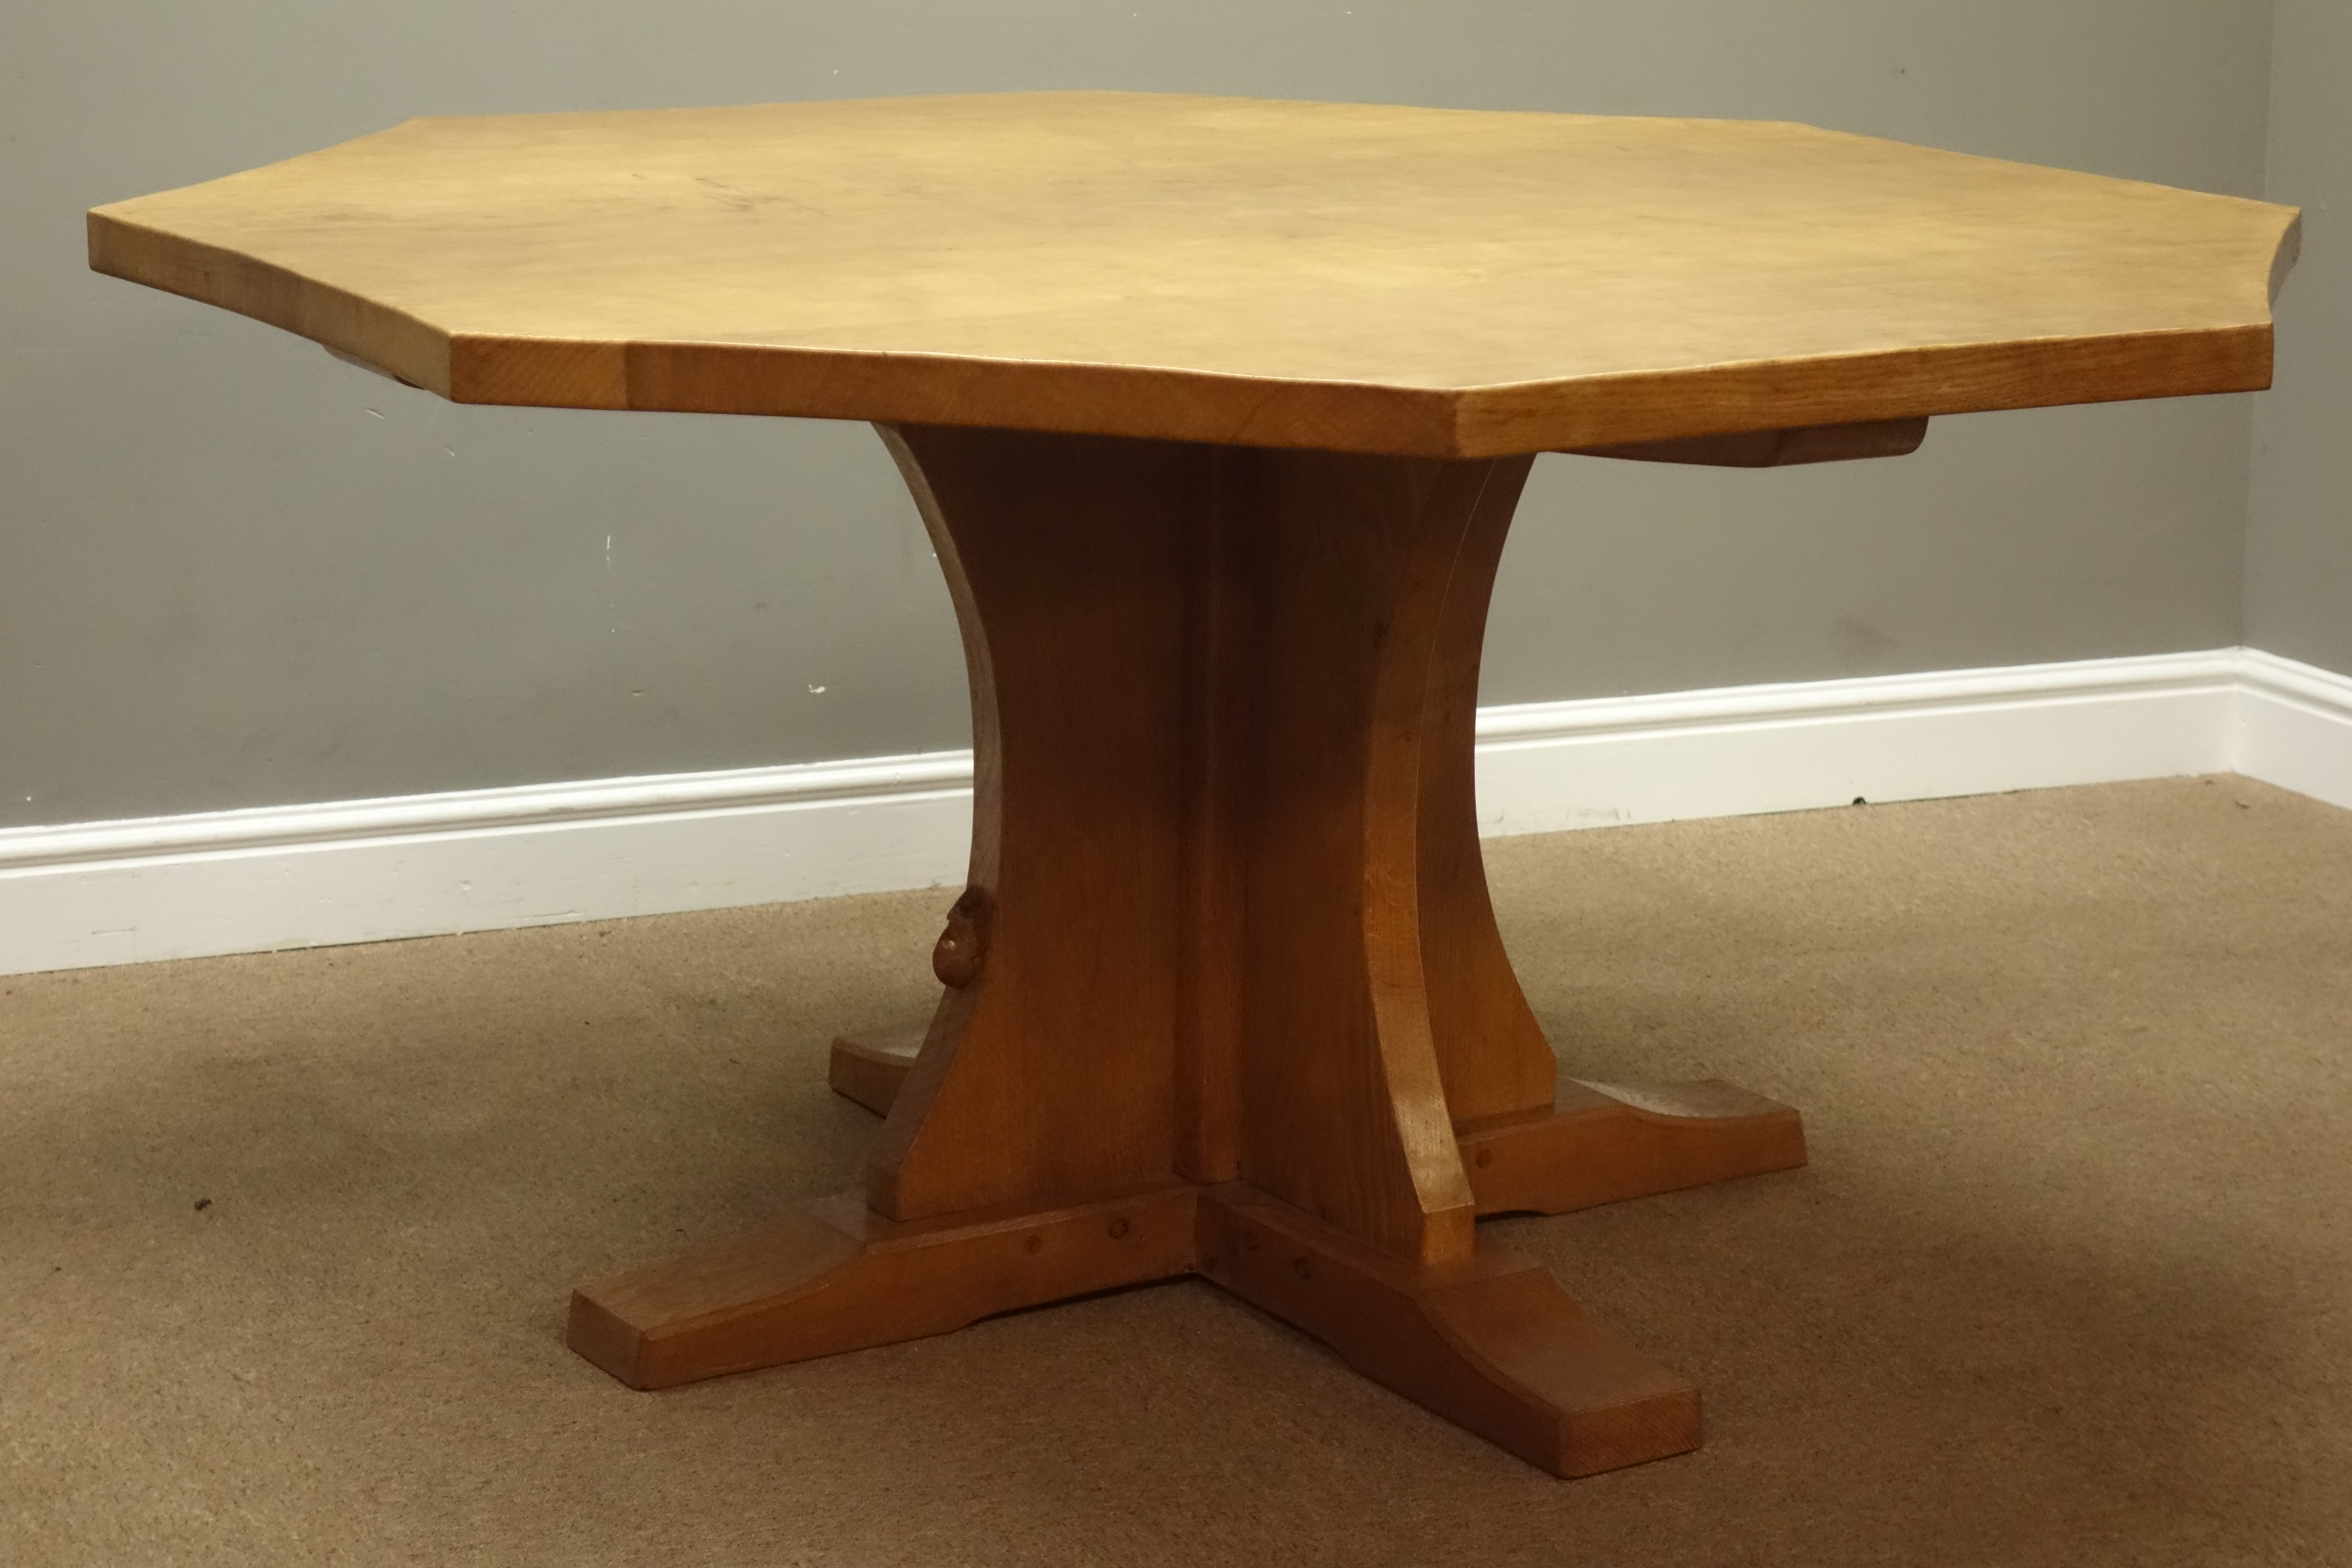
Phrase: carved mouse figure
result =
(963, 946)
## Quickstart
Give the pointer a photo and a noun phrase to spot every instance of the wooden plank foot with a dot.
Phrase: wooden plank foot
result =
(1492, 1342)
(869, 1065)
(838, 1277)
(1601, 1143)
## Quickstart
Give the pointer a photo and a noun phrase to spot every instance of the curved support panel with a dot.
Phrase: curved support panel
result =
(1490, 1051)
(1051, 1071)
(1343, 1104)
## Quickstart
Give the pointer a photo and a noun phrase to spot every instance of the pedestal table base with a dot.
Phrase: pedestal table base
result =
(1223, 994)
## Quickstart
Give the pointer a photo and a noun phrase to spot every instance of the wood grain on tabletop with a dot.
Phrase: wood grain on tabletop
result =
(1363, 277)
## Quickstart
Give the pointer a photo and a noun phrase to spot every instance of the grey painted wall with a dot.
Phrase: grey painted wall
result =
(2299, 539)
(234, 571)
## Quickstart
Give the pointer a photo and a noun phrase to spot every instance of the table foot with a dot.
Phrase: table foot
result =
(1603, 1144)
(869, 1065)
(1492, 1344)
(837, 1277)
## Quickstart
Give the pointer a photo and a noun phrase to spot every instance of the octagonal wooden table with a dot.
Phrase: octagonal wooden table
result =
(1217, 411)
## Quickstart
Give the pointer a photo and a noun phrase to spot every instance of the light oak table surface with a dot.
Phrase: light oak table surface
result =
(1353, 276)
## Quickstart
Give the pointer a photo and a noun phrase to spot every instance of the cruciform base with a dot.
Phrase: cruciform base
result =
(1492, 1341)
(1224, 992)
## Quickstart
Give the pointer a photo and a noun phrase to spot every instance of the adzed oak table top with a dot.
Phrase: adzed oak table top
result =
(1353, 276)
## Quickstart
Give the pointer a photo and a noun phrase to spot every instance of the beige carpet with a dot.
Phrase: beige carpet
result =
(2069, 1281)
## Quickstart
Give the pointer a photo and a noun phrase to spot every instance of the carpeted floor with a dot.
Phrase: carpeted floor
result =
(285, 1240)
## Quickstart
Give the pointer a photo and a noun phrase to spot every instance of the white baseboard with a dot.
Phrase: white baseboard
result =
(303, 876)
(2293, 727)
(1750, 749)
